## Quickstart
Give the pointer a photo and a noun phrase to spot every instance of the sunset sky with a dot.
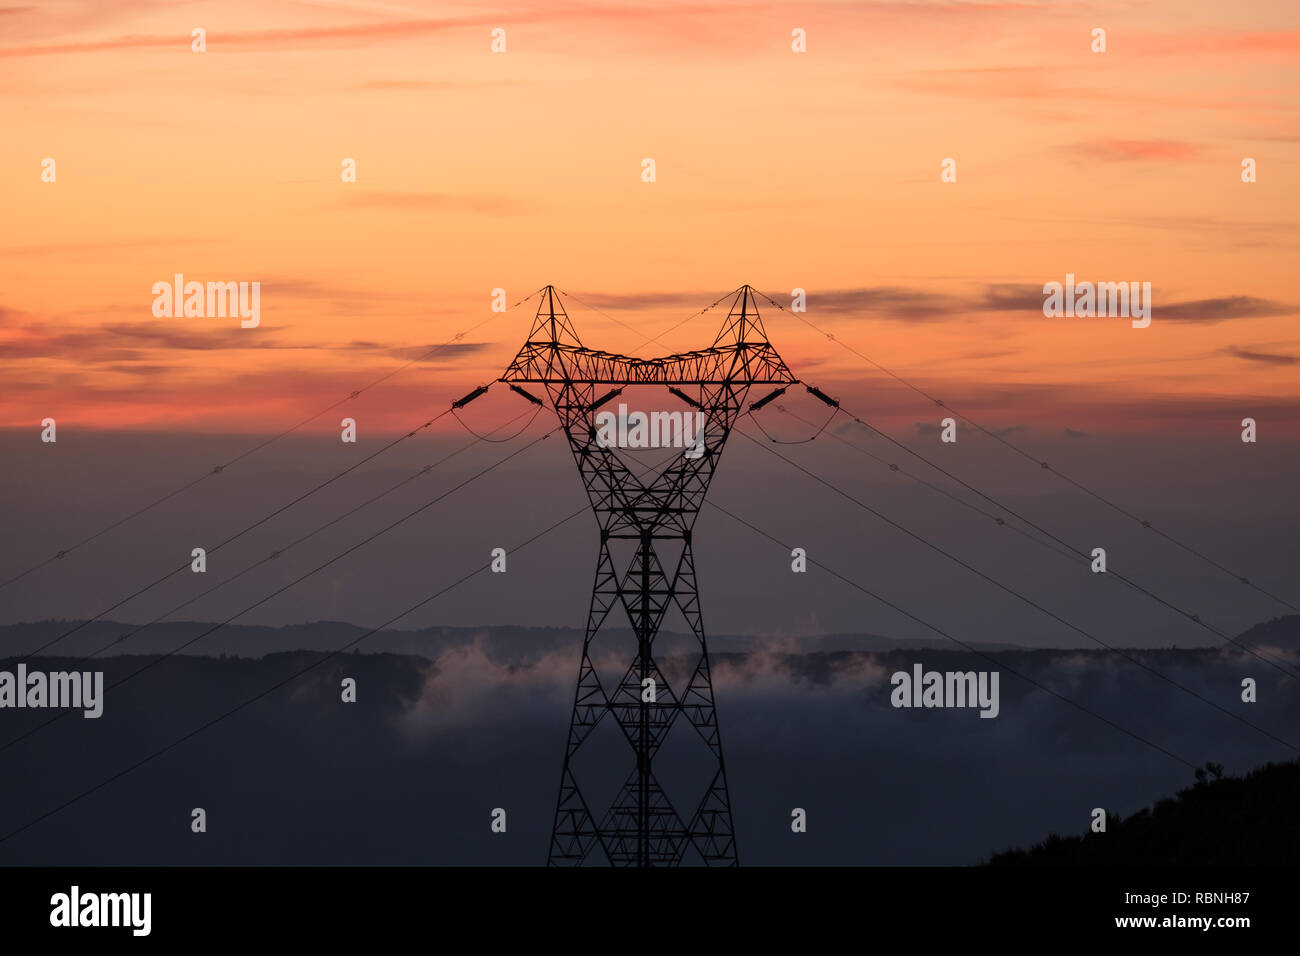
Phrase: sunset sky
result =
(200, 506)
(818, 170)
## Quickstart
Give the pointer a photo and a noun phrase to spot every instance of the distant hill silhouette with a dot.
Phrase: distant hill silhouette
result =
(511, 641)
(477, 719)
(504, 641)
(1280, 632)
(1231, 821)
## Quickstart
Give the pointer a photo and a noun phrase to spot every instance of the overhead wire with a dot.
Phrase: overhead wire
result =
(1043, 465)
(154, 661)
(220, 468)
(1024, 598)
(945, 634)
(266, 692)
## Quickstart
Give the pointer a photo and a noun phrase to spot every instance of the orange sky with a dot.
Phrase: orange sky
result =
(817, 170)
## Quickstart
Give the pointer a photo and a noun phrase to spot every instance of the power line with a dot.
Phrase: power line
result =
(1022, 597)
(523, 428)
(1043, 465)
(960, 643)
(1130, 582)
(239, 534)
(940, 631)
(1163, 750)
(801, 441)
(939, 489)
(271, 557)
(342, 554)
(285, 681)
(218, 469)
(268, 597)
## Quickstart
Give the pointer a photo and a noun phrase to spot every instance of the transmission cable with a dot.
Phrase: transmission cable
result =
(497, 441)
(1135, 585)
(239, 534)
(960, 643)
(801, 441)
(218, 469)
(293, 544)
(940, 631)
(940, 489)
(285, 681)
(1020, 596)
(1043, 465)
(342, 554)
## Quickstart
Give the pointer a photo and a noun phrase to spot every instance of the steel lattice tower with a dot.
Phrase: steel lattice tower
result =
(646, 565)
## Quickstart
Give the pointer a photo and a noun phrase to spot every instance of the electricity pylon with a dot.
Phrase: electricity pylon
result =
(646, 565)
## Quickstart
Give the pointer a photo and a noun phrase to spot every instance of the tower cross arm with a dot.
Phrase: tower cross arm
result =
(753, 363)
